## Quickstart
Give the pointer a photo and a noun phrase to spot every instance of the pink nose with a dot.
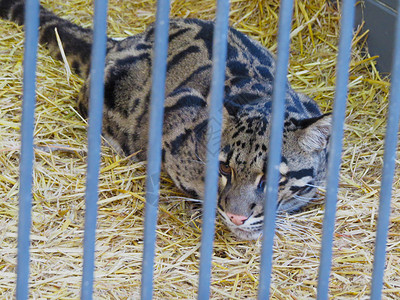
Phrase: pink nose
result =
(236, 219)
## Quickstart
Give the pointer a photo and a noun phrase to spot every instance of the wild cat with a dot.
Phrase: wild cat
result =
(247, 112)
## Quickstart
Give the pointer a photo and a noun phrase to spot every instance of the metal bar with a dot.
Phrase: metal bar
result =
(27, 154)
(275, 145)
(94, 143)
(335, 147)
(213, 146)
(389, 164)
(154, 151)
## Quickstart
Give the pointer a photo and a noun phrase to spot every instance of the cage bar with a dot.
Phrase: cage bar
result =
(154, 149)
(27, 151)
(275, 145)
(213, 146)
(389, 164)
(94, 143)
(335, 147)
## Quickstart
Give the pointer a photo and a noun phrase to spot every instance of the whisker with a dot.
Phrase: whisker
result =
(180, 198)
(315, 185)
(302, 198)
(200, 160)
(196, 161)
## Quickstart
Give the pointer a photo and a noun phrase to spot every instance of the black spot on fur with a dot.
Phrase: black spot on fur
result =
(301, 173)
(195, 74)
(238, 68)
(163, 155)
(258, 52)
(298, 105)
(240, 82)
(206, 34)
(58, 56)
(181, 56)
(226, 149)
(76, 67)
(311, 107)
(265, 72)
(110, 130)
(5, 8)
(150, 34)
(178, 34)
(256, 223)
(258, 87)
(82, 110)
(259, 215)
(306, 122)
(245, 98)
(124, 143)
(18, 13)
(131, 60)
(229, 157)
(135, 104)
(283, 182)
(236, 134)
(112, 84)
(186, 102)
(268, 106)
(232, 108)
(179, 140)
(295, 189)
(200, 130)
(305, 190)
(144, 46)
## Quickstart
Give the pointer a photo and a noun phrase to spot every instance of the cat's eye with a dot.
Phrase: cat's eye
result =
(225, 169)
(261, 183)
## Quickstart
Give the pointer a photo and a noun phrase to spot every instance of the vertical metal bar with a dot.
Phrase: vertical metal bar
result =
(275, 145)
(389, 164)
(27, 154)
(335, 147)
(213, 146)
(159, 69)
(94, 143)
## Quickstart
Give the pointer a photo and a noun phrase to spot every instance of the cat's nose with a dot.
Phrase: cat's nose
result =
(237, 219)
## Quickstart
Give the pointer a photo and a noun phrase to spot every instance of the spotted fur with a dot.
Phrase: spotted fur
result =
(247, 109)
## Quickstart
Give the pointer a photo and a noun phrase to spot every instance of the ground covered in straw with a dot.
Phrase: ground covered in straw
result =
(59, 176)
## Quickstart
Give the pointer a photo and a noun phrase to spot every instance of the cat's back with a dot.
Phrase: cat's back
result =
(250, 67)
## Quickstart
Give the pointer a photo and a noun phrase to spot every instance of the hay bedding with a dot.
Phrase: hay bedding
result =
(59, 178)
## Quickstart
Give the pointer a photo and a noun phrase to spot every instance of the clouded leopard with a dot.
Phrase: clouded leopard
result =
(247, 108)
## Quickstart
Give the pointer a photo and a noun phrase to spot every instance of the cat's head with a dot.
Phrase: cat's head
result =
(243, 158)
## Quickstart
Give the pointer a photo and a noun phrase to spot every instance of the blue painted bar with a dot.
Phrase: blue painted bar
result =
(213, 146)
(154, 151)
(335, 147)
(27, 154)
(275, 145)
(94, 143)
(389, 164)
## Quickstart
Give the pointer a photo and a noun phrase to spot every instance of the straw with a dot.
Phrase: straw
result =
(59, 177)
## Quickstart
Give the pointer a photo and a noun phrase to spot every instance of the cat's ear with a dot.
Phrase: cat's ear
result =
(315, 133)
